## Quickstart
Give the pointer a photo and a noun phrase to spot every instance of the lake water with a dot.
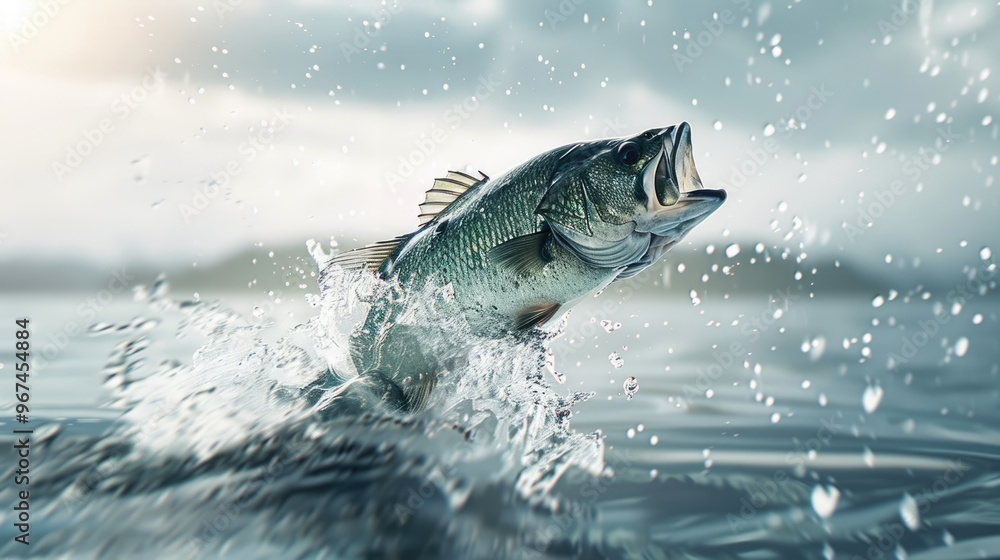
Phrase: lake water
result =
(766, 426)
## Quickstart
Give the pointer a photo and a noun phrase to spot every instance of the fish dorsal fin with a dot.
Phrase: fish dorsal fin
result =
(371, 256)
(446, 190)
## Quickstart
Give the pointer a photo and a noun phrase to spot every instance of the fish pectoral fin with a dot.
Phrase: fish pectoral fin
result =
(523, 255)
(371, 257)
(535, 315)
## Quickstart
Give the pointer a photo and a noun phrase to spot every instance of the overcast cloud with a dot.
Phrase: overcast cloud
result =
(228, 123)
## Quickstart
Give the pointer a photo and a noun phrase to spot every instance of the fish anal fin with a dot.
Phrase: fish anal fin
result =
(446, 190)
(535, 315)
(524, 255)
(371, 257)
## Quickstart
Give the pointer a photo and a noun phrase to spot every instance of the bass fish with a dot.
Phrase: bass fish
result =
(519, 248)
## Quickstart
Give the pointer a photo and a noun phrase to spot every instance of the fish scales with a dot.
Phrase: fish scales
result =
(520, 248)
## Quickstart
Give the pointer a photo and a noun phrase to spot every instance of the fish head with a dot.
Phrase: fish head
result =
(622, 202)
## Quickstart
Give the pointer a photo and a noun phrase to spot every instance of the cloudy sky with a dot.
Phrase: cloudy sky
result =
(175, 131)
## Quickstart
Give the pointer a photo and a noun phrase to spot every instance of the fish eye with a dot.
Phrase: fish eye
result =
(628, 153)
(648, 134)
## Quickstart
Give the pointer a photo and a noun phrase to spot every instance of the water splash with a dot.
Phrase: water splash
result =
(631, 386)
(242, 423)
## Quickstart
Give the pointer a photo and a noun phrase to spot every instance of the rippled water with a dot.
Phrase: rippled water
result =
(779, 425)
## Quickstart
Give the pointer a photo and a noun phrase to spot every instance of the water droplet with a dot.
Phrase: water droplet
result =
(961, 346)
(258, 312)
(824, 500)
(909, 512)
(985, 253)
(879, 301)
(890, 113)
(769, 130)
(733, 250)
(616, 360)
(630, 434)
(818, 347)
(631, 386)
(610, 326)
(977, 319)
(653, 440)
(948, 538)
(868, 457)
(776, 417)
(872, 398)
(717, 125)
(100, 328)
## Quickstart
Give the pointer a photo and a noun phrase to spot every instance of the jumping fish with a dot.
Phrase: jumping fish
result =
(518, 249)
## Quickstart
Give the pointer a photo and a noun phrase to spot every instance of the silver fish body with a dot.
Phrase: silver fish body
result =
(519, 248)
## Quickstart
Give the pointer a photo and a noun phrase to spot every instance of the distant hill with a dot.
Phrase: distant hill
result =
(717, 274)
(290, 268)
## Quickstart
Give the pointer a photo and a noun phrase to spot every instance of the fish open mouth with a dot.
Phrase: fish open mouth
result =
(674, 176)
(673, 187)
